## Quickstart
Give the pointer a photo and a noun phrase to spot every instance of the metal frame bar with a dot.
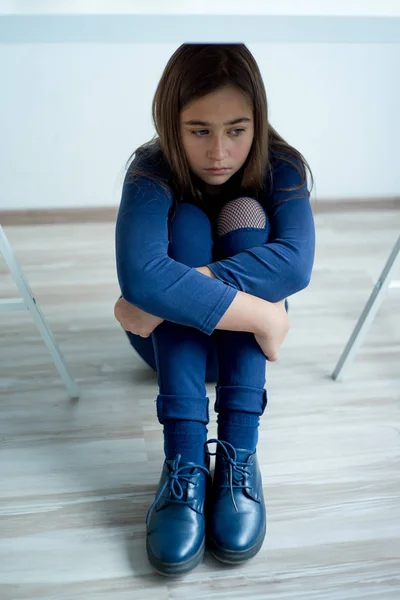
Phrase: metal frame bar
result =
(28, 302)
(367, 316)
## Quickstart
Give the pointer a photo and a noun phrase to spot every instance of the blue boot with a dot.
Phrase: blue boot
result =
(175, 521)
(237, 518)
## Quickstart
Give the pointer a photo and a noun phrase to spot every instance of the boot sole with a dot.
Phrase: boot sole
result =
(234, 557)
(172, 569)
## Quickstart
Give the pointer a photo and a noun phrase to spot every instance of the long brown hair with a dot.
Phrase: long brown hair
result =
(193, 71)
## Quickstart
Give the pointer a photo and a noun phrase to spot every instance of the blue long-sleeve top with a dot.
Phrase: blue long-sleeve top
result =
(161, 286)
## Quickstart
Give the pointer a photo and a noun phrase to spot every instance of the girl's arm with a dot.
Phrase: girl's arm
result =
(153, 282)
(268, 322)
(149, 279)
(245, 313)
(283, 266)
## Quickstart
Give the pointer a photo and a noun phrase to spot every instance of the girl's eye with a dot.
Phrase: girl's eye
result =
(238, 132)
(200, 132)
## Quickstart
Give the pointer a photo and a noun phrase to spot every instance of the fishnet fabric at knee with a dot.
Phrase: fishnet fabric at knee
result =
(239, 213)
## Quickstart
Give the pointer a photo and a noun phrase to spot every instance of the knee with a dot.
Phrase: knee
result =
(190, 235)
(242, 224)
(241, 213)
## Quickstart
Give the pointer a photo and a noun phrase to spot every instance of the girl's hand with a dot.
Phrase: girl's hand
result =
(134, 319)
(275, 333)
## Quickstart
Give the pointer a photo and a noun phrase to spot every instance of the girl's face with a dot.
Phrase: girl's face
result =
(217, 132)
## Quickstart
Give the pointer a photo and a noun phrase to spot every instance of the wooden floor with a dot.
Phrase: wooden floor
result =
(76, 478)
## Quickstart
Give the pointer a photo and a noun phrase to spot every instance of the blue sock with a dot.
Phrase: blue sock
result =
(239, 429)
(186, 438)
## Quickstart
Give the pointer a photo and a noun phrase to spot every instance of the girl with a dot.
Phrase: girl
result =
(214, 232)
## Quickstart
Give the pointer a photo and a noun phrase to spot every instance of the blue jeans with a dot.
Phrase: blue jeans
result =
(183, 353)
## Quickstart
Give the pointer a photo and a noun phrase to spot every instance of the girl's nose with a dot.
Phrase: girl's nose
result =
(217, 151)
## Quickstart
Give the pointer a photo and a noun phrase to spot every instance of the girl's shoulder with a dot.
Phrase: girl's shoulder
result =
(279, 159)
(149, 161)
(146, 186)
(285, 179)
(284, 170)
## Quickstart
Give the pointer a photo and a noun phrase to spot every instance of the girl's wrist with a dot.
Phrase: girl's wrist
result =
(206, 271)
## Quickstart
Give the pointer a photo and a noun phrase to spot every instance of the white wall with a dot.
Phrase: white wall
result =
(70, 115)
(283, 7)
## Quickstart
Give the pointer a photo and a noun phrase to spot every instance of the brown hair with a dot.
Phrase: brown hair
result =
(195, 70)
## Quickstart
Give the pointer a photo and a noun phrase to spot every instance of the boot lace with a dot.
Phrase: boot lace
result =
(178, 481)
(238, 471)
